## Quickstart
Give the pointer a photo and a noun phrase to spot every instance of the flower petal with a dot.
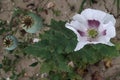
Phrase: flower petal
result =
(110, 29)
(79, 18)
(78, 26)
(67, 25)
(109, 18)
(103, 39)
(80, 45)
(79, 37)
(110, 44)
(91, 14)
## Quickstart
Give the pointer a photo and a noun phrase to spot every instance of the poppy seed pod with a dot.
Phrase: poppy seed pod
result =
(31, 23)
(10, 42)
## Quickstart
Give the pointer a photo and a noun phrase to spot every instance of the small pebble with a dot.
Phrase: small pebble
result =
(36, 40)
(44, 75)
(37, 75)
(25, 74)
(30, 6)
(50, 5)
(71, 64)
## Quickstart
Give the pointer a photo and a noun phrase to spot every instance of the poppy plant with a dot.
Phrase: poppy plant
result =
(92, 27)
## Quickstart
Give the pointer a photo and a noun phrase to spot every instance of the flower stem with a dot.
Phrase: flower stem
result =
(81, 6)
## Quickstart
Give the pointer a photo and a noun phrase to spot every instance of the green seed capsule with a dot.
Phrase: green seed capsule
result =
(10, 42)
(31, 23)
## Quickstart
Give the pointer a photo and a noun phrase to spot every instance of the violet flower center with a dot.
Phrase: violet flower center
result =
(93, 28)
(93, 23)
(104, 32)
(81, 33)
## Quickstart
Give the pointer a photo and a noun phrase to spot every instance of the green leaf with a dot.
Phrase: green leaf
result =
(3, 24)
(61, 63)
(117, 46)
(46, 67)
(91, 54)
(55, 77)
(74, 76)
(0, 66)
(44, 79)
(34, 64)
(39, 49)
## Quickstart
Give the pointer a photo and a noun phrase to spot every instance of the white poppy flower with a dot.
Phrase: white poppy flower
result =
(92, 27)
